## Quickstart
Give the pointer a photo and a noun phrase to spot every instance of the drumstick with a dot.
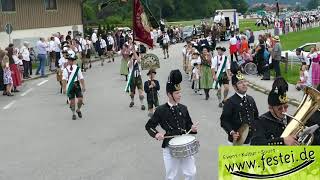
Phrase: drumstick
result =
(196, 124)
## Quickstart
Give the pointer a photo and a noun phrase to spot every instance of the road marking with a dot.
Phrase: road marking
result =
(9, 105)
(42, 82)
(25, 93)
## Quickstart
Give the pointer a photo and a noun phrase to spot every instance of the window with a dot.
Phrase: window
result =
(307, 48)
(8, 5)
(51, 4)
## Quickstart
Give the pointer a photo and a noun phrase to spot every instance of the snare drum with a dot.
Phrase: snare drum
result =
(183, 146)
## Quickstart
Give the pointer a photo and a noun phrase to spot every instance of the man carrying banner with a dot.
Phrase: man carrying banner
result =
(239, 110)
(174, 118)
(221, 74)
(73, 84)
(134, 80)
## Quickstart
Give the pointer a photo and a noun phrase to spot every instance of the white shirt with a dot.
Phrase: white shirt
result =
(165, 39)
(233, 41)
(103, 44)
(110, 40)
(25, 53)
(57, 44)
(196, 73)
(303, 58)
(131, 67)
(62, 62)
(305, 77)
(241, 95)
(52, 46)
(217, 61)
(67, 72)
(94, 37)
(198, 61)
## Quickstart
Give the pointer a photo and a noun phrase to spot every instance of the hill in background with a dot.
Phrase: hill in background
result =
(288, 2)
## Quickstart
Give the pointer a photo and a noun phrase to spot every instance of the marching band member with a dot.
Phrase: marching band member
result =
(174, 118)
(73, 84)
(239, 109)
(221, 74)
(268, 128)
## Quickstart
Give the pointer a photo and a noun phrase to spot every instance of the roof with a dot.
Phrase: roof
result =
(226, 10)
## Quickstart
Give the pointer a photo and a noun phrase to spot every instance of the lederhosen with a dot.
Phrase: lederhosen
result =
(152, 94)
(75, 91)
(136, 81)
(224, 79)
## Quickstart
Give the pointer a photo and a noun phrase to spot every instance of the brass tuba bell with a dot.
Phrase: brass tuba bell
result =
(309, 105)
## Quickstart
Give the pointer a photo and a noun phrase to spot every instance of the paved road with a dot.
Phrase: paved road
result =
(39, 141)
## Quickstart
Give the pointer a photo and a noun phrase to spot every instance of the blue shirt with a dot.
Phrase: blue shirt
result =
(42, 47)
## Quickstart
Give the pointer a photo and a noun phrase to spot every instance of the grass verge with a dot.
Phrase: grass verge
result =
(295, 39)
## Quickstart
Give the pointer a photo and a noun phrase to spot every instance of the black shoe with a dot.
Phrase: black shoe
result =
(16, 90)
(74, 117)
(79, 114)
(4, 93)
(221, 105)
(265, 79)
(131, 104)
(143, 107)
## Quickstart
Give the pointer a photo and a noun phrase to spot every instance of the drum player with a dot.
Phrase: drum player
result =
(174, 118)
(238, 110)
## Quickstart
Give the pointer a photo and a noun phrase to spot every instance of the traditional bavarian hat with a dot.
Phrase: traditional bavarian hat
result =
(221, 48)
(236, 78)
(174, 81)
(71, 55)
(151, 71)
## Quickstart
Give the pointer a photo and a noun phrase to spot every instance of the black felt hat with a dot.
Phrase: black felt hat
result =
(151, 71)
(221, 48)
(174, 81)
(276, 98)
(236, 78)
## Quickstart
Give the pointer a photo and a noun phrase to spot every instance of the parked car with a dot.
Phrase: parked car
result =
(292, 54)
(187, 33)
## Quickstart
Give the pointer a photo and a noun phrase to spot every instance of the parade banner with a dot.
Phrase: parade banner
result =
(141, 27)
(269, 162)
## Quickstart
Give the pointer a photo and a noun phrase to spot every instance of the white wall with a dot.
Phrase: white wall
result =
(33, 35)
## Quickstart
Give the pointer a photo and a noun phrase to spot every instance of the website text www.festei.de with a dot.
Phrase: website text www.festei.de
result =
(264, 161)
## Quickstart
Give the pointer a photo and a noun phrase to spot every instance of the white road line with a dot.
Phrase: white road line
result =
(9, 105)
(25, 93)
(42, 82)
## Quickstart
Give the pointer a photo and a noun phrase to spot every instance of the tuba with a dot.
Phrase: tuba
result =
(309, 105)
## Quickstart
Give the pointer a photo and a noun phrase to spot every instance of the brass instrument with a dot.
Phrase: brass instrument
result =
(309, 105)
(243, 131)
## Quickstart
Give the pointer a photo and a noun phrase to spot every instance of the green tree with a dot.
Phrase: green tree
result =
(313, 4)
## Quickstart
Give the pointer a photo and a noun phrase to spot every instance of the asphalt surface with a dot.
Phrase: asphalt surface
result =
(39, 141)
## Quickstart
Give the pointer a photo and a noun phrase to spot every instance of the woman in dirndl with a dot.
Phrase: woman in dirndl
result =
(125, 52)
(315, 67)
(206, 79)
(15, 72)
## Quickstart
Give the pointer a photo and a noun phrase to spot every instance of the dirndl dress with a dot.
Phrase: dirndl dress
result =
(124, 66)
(16, 75)
(206, 79)
(315, 71)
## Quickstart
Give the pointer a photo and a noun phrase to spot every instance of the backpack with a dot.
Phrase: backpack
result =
(266, 56)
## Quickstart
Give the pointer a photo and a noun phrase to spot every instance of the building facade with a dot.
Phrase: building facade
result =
(32, 19)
